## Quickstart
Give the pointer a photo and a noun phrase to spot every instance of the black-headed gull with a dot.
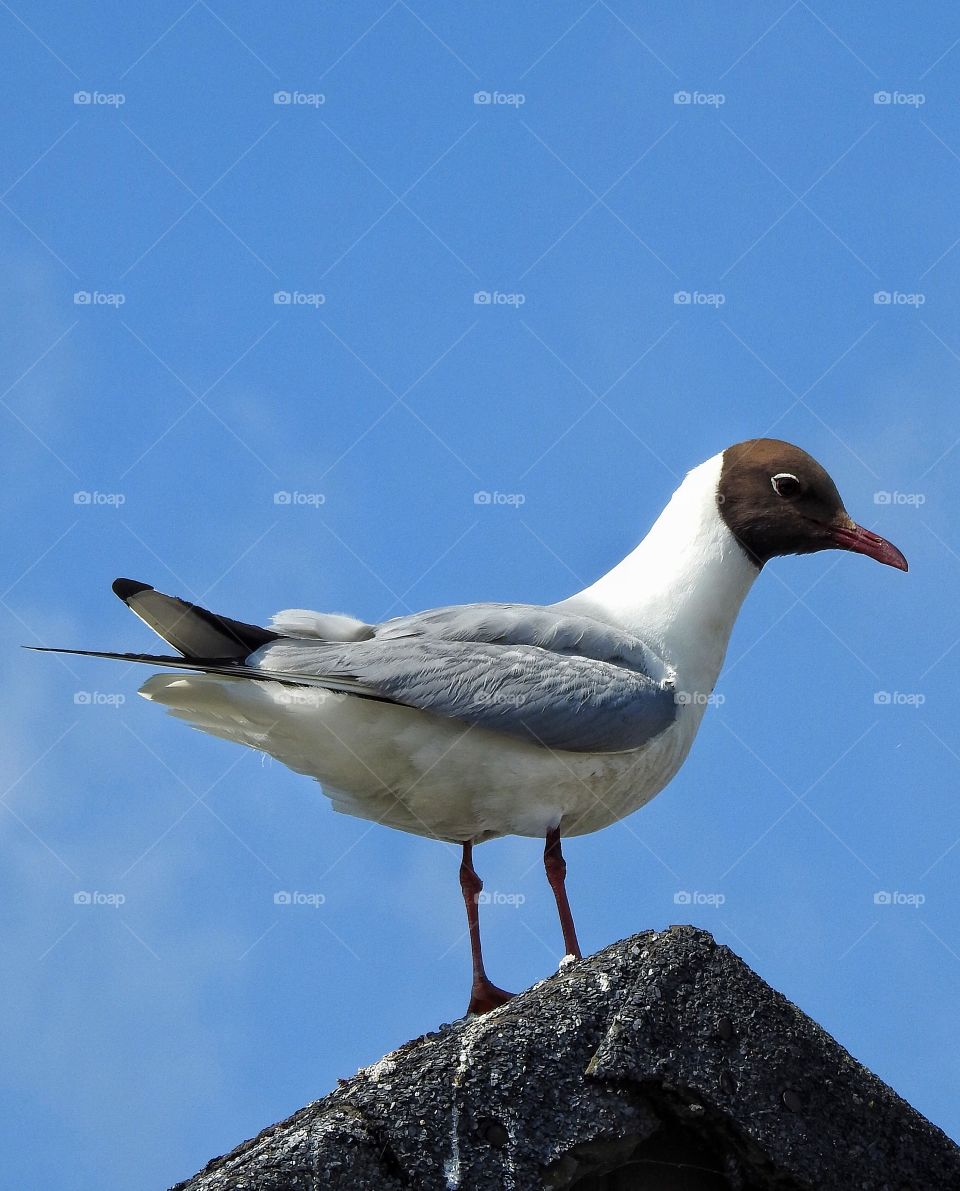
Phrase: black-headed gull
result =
(480, 720)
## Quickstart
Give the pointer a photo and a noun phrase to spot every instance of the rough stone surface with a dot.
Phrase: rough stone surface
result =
(661, 1062)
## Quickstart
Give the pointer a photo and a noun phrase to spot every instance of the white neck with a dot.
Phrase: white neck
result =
(682, 587)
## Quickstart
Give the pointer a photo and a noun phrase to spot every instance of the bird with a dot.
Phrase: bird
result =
(469, 722)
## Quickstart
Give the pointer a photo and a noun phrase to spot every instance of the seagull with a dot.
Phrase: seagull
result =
(474, 721)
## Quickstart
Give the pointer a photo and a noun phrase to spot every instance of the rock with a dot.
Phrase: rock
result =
(661, 1062)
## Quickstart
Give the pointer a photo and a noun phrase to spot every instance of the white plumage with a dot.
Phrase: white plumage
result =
(680, 590)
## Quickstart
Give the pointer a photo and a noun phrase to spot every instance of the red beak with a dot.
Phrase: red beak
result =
(861, 541)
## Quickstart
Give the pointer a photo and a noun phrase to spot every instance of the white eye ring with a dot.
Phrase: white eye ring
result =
(784, 475)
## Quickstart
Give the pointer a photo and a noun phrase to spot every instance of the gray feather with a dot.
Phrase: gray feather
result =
(561, 679)
(194, 631)
(565, 681)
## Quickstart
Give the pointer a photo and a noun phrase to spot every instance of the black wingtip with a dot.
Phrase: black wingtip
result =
(126, 589)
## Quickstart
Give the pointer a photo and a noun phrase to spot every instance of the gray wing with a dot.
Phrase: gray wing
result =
(548, 628)
(565, 681)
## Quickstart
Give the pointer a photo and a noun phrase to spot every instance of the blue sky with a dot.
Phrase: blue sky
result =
(791, 169)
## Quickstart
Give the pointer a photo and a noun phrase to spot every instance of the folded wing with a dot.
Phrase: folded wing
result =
(564, 681)
(559, 679)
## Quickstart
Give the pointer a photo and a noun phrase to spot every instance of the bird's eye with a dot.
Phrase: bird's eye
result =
(785, 484)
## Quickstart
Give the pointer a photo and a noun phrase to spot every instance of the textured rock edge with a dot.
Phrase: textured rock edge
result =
(662, 1031)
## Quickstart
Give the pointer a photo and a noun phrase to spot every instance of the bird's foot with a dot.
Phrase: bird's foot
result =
(485, 996)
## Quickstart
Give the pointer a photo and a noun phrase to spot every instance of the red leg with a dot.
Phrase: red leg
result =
(484, 996)
(556, 867)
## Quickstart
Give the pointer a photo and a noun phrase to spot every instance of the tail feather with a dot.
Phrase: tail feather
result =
(194, 631)
(226, 667)
(210, 644)
(202, 665)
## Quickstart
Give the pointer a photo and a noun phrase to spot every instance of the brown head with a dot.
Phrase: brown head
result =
(775, 499)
